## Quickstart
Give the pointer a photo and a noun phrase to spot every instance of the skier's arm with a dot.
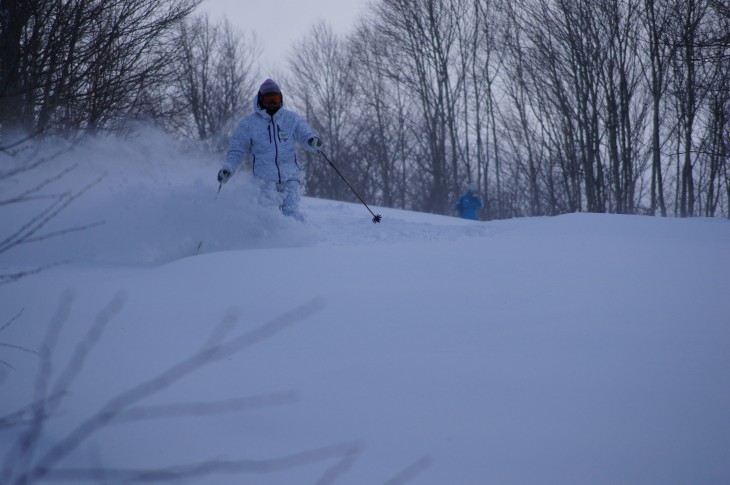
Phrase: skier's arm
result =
(306, 136)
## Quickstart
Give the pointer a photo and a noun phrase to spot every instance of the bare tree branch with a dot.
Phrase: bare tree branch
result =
(209, 467)
(206, 408)
(18, 463)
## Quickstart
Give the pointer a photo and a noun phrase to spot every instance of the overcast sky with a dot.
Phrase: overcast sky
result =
(279, 24)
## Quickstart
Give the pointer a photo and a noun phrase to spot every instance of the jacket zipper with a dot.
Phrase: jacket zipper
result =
(273, 126)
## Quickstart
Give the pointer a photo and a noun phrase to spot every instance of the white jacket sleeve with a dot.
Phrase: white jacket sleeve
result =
(304, 132)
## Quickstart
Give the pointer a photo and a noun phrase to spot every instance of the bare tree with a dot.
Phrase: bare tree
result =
(382, 136)
(83, 64)
(521, 92)
(625, 110)
(422, 41)
(26, 463)
(487, 60)
(323, 87)
(657, 17)
(714, 156)
(580, 102)
(5, 345)
(34, 229)
(212, 79)
(689, 90)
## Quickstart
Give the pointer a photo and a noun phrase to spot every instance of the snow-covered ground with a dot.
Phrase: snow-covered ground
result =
(576, 349)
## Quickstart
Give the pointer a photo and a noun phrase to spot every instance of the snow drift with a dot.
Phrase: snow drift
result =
(583, 348)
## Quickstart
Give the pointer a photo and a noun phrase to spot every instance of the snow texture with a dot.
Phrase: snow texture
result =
(584, 348)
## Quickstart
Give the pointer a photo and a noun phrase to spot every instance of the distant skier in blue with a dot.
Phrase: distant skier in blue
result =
(469, 203)
(269, 136)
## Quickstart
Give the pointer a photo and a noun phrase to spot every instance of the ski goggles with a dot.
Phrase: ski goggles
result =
(271, 99)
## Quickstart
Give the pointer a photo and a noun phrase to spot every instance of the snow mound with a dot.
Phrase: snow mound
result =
(152, 201)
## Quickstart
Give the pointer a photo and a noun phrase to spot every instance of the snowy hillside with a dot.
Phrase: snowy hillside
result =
(576, 349)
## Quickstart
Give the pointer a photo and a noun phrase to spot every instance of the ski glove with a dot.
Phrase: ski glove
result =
(223, 175)
(315, 143)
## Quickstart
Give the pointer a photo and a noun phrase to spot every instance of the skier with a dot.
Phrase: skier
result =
(269, 136)
(469, 203)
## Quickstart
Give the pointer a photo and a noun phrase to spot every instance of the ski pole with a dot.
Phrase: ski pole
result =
(200, 244)
(376, 217)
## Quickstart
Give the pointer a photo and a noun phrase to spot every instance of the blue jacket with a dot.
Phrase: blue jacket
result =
(271, 142)
(468, 205)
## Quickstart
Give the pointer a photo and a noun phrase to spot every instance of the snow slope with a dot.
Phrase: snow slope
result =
(576, 349)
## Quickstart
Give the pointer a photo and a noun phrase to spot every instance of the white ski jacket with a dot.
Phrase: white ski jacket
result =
(271, 143)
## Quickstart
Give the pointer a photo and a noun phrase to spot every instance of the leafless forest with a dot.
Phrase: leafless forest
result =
(552, 106)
